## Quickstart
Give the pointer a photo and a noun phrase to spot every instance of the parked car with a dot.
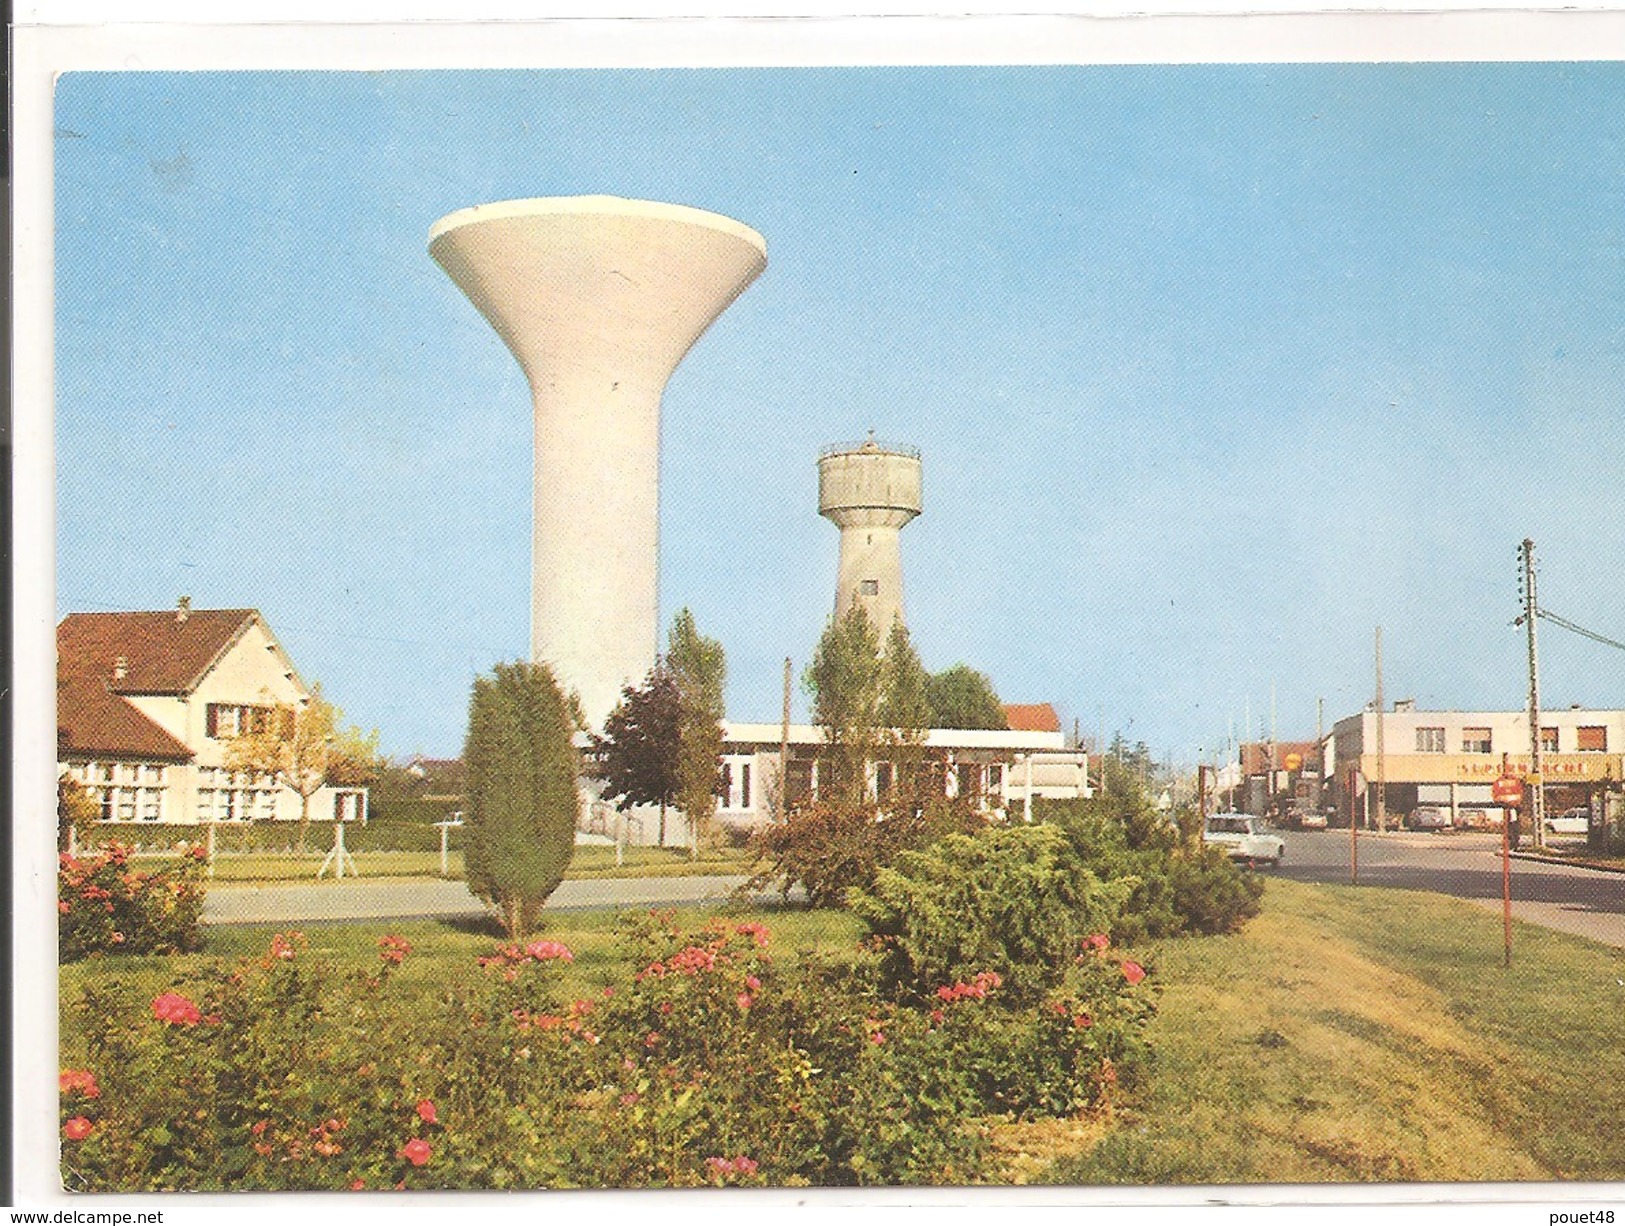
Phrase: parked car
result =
(1429, 817)
(1479, 817)
(1314, 819)
(1570, 821)
(1243, 838)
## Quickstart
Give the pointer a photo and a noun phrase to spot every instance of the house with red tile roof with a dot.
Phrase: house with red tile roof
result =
(1031, 717)
(147, 703)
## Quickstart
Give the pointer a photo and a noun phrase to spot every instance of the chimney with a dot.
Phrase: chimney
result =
(121, 668)
(183, 610)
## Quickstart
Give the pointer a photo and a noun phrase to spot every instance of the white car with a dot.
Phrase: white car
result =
(1243, 838)
(1571, 821)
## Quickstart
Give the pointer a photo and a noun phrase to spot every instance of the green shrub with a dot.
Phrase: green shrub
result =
(1210, 895)
(397, 836)
(1177, 888)
(106, 907)
(1007, 899)
(408, 810)
(523, 774)
(827, 848)
(710, 1063)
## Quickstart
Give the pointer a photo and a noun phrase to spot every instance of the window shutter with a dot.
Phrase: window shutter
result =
(211, 720)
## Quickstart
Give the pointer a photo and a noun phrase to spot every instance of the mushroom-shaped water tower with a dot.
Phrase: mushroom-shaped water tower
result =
(599, 299)
(869, 490)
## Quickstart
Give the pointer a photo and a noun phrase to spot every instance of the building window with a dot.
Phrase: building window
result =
(1430, 740)
(1475, 740)
(223, 720)
(152, 804)
(726, 788)
(1548, 740)
(883, 780)
(870, 587)
(107, 772)
(744, 785)
(104, 804)
(968, 778)
(995, 777)
(126, 804)
(1592, 739)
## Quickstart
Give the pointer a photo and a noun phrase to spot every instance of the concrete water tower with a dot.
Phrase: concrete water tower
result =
(598, 298)
(869, 490)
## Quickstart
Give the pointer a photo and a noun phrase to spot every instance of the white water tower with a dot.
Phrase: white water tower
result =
(599, 299)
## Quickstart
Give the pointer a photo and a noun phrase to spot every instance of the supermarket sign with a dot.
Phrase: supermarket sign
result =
(1486, 768)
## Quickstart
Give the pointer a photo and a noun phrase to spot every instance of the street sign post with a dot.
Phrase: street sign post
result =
(1507, 791)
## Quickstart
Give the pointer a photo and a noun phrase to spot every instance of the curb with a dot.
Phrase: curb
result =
(1587, 864)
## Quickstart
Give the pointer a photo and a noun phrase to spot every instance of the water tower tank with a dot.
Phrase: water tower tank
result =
(869, 490)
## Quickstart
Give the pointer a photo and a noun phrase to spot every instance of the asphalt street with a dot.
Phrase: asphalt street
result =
(1581, 901)
(355, 898)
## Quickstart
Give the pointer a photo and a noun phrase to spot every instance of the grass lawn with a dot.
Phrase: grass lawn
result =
(590, 861)
(1345, 1035)
(1371, 1034)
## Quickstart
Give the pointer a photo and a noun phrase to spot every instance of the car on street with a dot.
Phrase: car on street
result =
(1313, 819)
(1570, 821)
(1243, 838)
(1479, 817)
(1429, 817)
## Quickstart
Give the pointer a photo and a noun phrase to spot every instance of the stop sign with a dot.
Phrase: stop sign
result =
(1508, 791)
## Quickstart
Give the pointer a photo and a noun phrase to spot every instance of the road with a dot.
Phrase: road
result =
(407, 898)
(1584, 902)
(1580, 901)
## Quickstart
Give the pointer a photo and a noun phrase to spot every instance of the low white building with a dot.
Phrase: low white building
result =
(147, 702)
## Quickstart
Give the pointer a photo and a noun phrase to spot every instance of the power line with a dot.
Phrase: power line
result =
(1577, 629)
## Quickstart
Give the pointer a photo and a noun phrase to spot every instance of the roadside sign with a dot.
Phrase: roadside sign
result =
(1508, 791)
(1294, 761)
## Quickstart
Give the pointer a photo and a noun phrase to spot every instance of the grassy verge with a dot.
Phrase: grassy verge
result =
(589, 862)
(1365, 1034)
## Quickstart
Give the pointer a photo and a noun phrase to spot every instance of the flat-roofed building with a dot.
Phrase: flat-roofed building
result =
(999, 770)
(1452, 758)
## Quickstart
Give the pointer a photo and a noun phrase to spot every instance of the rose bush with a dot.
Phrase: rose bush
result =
(107, 906)
(707, 1063)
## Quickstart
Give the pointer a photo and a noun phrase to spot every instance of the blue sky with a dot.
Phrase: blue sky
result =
(1213, 369)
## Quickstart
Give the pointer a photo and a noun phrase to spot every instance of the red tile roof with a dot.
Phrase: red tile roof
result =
(1031, 717)
(162, 655)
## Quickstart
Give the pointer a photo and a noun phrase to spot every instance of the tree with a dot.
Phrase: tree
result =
(846, 680)
(699, 667)
(522, 801)
(905, 714)
(305, 749)
(961, 697)
(76, 813)
(638, 757)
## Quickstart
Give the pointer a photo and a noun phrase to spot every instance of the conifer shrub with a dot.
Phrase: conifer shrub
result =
(1006, 899)
(522, 799)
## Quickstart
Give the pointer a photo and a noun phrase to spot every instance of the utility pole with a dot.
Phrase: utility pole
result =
(1382, 765)
(1536, 807)
(784, 749)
